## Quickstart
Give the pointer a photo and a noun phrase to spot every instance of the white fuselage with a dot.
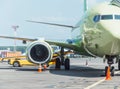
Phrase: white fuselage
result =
(100, 30)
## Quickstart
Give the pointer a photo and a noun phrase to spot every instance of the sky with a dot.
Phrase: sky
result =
(16, 12)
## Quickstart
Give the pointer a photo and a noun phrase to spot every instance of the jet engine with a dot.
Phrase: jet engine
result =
(39, 52)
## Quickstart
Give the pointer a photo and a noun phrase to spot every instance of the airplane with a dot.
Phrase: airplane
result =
(97, 34)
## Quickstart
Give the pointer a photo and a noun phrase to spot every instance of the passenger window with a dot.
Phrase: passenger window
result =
(96, 18)
(117, 17)
(106, 17)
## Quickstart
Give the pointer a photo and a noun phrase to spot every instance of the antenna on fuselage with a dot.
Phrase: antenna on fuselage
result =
(85, 6)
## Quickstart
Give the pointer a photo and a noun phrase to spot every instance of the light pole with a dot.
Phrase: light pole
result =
(15, 34)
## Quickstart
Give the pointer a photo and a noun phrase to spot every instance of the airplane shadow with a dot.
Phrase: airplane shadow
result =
(18, 68)
(79, 71)
(5, 68)
(25, 69)
(117, 75)
(75, 71)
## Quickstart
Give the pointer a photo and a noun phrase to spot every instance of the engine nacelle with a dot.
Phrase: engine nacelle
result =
(39, 52)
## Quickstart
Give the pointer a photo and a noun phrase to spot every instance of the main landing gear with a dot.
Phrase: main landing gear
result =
(110, 61)
(66, 64)
(62, 61)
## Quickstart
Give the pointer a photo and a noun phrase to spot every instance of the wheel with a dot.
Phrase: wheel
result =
(67, 64)
(119, 64)
(106, 70)
(112, 71)
(9, 61)
(16, 64)
(58, 63)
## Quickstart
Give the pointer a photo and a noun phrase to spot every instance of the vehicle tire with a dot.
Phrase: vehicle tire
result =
(2, 60)
(112, 71)
(16, 64)
(9, 61)
(106, 70)
(67, 64)
(58, 63)
(119, 64)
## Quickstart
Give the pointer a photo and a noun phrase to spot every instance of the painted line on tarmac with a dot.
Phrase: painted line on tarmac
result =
(117, 72)
(97, 83)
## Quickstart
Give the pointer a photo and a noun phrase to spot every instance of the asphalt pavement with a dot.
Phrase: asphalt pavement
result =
(85, 73)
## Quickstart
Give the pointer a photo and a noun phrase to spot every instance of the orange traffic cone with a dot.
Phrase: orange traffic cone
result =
(45, 66)
(108, 77)
(40, 68)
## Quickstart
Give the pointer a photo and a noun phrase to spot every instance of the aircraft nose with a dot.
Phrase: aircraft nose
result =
(113, 28)
(115, 32)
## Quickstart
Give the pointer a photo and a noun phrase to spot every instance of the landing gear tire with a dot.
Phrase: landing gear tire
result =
(67, 64)
(106, 70)
(112, 71)
(119, 64)
(58, 63)
(16, 64)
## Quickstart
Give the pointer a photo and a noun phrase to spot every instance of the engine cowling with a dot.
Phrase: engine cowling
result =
(39, 52)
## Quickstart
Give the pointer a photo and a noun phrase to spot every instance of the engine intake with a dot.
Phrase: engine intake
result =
(39, 52)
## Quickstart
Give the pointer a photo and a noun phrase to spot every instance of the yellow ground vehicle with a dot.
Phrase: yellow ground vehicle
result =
(21, 60)
(11, 58)
(18, 62)
(0, 59)
(7, 59)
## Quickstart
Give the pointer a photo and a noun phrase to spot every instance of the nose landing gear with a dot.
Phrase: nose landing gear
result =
(110, 61)
(112, 70)
(119, 64)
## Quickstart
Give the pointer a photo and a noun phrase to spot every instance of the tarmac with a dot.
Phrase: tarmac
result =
(85, 73)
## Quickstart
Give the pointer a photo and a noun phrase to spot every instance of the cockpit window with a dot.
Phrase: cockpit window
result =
(117, 17)
(96, 18)
(106, 17)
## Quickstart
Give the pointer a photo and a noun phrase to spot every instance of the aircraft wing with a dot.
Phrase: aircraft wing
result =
(18, 38)
(54, 24)
(79, 48)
